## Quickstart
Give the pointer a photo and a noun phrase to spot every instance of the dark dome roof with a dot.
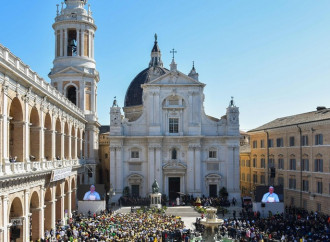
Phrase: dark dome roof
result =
(134, 92)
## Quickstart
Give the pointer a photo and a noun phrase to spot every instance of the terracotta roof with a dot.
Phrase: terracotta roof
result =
(318, 115)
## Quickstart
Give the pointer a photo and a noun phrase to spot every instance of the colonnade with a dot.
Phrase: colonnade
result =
(28, 213)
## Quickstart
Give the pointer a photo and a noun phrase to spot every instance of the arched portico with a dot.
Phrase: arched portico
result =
(59, 204)
(16, 130)
(16, 230)
(48, 210)
(35, 217)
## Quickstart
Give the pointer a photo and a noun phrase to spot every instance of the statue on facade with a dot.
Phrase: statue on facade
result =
(155, 187)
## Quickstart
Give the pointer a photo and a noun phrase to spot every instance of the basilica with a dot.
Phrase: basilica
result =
(164, 134)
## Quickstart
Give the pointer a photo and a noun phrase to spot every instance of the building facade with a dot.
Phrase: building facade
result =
(166, 136)
(297, 149)
(49, 142)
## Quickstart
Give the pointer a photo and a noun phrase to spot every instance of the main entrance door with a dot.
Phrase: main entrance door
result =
(213, 190)
(173, 187)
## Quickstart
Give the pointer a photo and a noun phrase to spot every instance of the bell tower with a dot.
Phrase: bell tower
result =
(74, 71)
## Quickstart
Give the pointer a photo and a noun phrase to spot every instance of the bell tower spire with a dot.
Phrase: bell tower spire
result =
(74, 71)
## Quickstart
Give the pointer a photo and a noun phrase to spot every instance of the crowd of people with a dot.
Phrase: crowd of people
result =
(140, 227)
(293, 225)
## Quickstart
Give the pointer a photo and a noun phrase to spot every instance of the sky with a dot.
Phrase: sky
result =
(273, 57)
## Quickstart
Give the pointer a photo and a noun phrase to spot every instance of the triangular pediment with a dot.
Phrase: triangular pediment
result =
(175, 78)
(70, 70)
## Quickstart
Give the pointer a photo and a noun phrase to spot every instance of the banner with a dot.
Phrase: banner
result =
(60, 174)
(16, 221)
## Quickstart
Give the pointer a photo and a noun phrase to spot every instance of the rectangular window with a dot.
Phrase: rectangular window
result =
(254, 162)
(212, 154)
(249, 177)
(135, 154)
(281, 163)
(254, 144)
(271, 162)
(279, 142)
(243, 177)
(255, 178)
(318, 165)
(262, 143)
(270, 143)
(305, 187)
(173, 125)
(291, 141)
(305, 165)
(262, 163)
(304, 140)
(319, 187)
(292, 164)
(292, 183)
(319, 139)
(262, 179)
(248, 163)
(280, 181)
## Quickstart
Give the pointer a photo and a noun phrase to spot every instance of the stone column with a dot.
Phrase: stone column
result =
(159, 168)
(26, 215)
(69, 144)
(61, 43)
(78, 41)
(65, 42)
(42, 213)
(5, 236)
(151, 167)
(62, 141)
(82, 43)
(191, 183)
(76, 144)
(69, 204)
(53, 207)
(26, 128)
(198, 169)
(5, 134)
(42, 136)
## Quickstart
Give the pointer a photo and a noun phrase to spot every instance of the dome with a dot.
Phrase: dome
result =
(134, 92)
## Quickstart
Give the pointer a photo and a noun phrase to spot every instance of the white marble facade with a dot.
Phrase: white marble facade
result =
(169, 138)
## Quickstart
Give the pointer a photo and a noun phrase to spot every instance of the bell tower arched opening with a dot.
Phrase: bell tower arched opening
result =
(71, 94)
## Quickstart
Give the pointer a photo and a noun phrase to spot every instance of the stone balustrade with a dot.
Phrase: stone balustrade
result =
(10, 169)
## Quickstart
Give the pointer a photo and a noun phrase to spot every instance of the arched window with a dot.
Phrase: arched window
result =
(71, 94)
(174, 154)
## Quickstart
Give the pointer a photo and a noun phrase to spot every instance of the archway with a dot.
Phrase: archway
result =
(58, 202)
(16, 218)
(34, 135)
(16, 131)
(48, 138)
(48, 210)
(66, 140)
(73, 194)
(71, 94)
(35, 217)
(58, 139)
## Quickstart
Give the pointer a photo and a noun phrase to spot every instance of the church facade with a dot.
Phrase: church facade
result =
(164, 134)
